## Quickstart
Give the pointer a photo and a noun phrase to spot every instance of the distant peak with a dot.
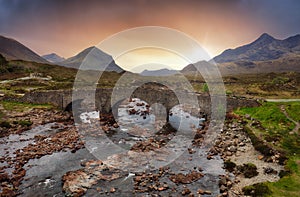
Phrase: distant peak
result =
(90, 48)
(266, 36)
(54, 54)
(264, 39)
(51, 54)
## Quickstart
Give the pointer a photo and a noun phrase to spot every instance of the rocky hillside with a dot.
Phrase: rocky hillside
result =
(264, 48)
(264, 55)
(285, 64)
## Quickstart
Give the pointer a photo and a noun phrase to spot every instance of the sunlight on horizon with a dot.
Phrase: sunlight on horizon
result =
(151, 59)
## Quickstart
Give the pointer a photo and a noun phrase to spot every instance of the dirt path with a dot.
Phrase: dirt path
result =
(297, 127)
(282, 100)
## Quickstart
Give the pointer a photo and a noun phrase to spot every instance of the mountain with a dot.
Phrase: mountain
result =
(160, 72)
(264, 48)
(285, 64)
(13, 50)
(96, 60)
(53, 58)
(197, 68)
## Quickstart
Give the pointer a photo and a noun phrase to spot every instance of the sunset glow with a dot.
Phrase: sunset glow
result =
(67, 27)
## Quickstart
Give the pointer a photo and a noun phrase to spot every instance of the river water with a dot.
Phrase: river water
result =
(43, 175)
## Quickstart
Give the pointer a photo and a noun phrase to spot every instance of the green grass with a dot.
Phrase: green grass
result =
(293, 110)
(277, 126)
(288, 185)
(264, 85)
(270, 116)
(21, 107)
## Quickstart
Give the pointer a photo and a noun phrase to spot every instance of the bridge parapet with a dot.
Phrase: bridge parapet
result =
(63, 98)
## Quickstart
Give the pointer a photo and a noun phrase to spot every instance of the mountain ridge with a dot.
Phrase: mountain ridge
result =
(160, 72)
(11, 49)
(263, 48)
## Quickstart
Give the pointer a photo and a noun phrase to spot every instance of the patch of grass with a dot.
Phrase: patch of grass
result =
(18, 106)
(288, 185)
(205, 88)
(26, 123)
(293, 110)
(267, 85)
(270, 116)
(276, 124)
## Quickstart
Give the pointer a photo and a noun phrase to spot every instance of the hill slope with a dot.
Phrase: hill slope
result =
(97, 60)
(13, 50)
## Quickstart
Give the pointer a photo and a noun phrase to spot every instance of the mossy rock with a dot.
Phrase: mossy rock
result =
(229, 165)
(249, 170)
(257, 190)
(5, 124)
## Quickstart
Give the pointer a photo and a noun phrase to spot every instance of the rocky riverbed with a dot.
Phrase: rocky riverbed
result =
(52, 158)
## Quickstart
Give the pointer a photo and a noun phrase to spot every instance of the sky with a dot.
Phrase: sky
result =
(66, 27)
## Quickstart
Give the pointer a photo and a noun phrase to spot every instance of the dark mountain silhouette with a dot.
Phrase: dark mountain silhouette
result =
(160, 72)
(96, 60)
(14, 50)
(53, 58)
(264, 48)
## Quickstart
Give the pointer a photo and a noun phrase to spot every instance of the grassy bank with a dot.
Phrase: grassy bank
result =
(21, 107)
(273, 128)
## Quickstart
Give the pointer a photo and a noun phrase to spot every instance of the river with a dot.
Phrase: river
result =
(43, 175)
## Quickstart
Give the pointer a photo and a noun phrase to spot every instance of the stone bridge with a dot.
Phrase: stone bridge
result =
(151, 94)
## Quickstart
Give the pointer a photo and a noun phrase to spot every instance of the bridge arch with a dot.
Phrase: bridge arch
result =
(151, 93)
(73, 104)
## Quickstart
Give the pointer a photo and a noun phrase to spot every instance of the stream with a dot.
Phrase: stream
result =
(43, 175)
